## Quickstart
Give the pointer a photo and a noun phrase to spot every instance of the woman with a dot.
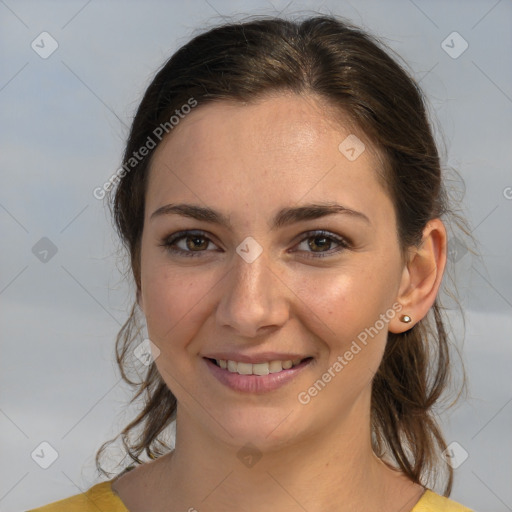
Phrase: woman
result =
(281, 202)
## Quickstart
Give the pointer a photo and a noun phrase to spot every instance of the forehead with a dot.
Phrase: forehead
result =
(287, 123)
(284, 147)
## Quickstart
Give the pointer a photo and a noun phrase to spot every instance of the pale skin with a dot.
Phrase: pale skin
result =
(247, 162)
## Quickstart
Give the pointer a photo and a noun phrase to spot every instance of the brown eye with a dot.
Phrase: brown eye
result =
(320, 242)
(196, 242)
(187, 243)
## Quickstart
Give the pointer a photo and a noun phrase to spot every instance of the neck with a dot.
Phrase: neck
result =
(325, 467)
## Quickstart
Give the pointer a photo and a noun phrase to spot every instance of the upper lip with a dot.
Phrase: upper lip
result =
(264, 357)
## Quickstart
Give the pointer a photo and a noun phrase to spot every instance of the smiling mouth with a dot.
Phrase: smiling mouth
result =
(264, 368)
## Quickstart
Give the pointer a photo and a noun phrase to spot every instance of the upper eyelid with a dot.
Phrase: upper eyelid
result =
(175, 237)
(189, 232)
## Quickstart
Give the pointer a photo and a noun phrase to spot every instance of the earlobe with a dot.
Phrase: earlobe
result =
(406, 319)
(421, 277)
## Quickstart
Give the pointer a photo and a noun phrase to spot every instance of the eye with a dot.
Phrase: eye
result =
(192, 243)
(318, 244)
(187, 243)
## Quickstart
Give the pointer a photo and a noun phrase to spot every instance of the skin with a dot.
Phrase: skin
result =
(247, 161)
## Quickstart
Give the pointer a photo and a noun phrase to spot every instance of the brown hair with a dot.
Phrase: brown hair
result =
(354, 73)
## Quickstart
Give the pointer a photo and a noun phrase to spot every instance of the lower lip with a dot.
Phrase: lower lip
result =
(255, 383)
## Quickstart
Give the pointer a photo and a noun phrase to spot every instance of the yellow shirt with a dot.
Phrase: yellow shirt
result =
(101, 497)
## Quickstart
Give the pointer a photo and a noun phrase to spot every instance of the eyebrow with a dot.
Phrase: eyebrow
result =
(285, 216)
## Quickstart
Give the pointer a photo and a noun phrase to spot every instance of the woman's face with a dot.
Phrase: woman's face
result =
(263, 276)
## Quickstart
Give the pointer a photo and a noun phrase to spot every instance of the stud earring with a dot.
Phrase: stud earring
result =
(405, 319)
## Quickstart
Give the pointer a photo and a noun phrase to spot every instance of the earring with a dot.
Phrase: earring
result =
(405, 319)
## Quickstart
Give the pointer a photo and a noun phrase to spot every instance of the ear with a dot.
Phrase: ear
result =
(421, 276)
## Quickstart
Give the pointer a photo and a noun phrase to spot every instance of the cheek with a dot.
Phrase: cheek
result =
(174, 308)
(347, 301)
(345, 316)
(174, 302)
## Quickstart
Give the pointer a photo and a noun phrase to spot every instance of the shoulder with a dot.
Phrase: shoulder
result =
(432, 502)
(98, 497)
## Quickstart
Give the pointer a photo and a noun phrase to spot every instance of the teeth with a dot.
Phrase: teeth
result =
(257, 368)
(244, 368)
(275, 366)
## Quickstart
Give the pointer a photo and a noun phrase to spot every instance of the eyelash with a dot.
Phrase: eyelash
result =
(168, 242)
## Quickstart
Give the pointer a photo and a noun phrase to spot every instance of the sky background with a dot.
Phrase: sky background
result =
(64, 119)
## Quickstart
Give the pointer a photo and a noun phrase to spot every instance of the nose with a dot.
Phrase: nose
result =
(254, 298)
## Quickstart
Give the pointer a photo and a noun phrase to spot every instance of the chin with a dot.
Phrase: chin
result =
(264, 427)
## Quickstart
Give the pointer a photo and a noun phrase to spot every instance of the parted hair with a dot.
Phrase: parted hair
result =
(355, 73)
